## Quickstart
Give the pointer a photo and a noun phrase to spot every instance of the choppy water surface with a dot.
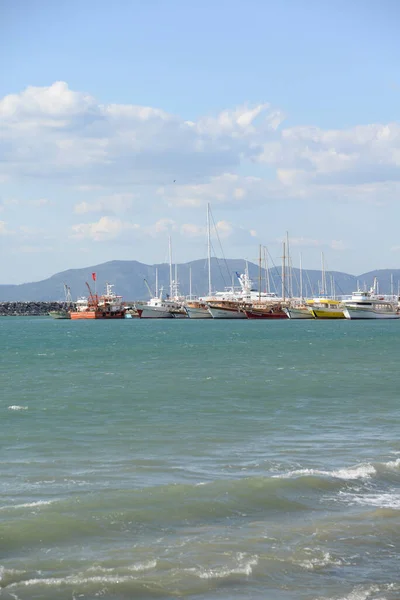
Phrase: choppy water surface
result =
(172, 459)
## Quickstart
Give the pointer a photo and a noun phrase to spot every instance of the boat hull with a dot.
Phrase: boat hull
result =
(298, 313)
(260, 314)
(93, 314)
(321, 313)
(226, 313)
(198, 312)
(155, 312)
(60, 314)
(368, 313)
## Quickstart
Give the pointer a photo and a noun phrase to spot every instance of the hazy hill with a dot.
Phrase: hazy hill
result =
(129, 276)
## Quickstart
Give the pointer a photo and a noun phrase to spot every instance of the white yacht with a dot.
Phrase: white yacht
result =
(197, 309)
(371, 305)
(157, 307)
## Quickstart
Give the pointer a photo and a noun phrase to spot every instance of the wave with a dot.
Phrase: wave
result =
(133, 580)
(244, 566)
(36, 504)
(17, 407)
(318, 562)
(357, 472)
(171, 505)
(360, 471)
(389, 500)
(366, 592)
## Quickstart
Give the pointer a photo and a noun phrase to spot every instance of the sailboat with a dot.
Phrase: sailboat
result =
(197, 308)
(297, 308)
(160, 307)
(267, 305)
(324, 307)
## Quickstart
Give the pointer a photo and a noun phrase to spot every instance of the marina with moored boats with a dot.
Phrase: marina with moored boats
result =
(243, 301)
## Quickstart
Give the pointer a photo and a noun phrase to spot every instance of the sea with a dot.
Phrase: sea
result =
(164, 459)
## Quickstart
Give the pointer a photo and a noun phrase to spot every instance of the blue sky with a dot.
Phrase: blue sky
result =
(120, 121)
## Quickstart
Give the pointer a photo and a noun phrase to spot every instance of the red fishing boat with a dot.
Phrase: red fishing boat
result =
(107, 306)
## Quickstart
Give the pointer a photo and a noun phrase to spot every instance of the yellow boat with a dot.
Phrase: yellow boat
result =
(325, 308)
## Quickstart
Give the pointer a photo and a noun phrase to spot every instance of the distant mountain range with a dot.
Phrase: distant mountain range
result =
(129, 279)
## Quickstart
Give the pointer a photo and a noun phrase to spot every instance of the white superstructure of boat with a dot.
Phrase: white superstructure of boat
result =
(110, 301)
(227, 304)
(156, 308)
(371, 305)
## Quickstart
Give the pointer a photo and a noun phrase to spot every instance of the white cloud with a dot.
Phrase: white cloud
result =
(338, 245)
(3, 228)
(161, 227)
(304, 242)
(228, 188)
(55, 133)
(41, 202)
(224, 229)
(113, 203)
(359, 155)
(165, 225)
(193, 231)
(106, 228)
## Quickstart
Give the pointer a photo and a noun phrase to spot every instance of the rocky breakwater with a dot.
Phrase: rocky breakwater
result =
(28, 309)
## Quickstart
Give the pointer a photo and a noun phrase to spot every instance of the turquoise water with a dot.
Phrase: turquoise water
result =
(199, 459)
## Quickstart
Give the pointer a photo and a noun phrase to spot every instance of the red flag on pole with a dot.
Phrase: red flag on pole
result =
(94, 276)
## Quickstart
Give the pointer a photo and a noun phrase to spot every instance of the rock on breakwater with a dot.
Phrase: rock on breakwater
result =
(28, 309)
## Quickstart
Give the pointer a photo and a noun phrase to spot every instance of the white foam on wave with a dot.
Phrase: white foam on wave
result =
(384, 500)
(361, 592)
(4, 572)
(36, 504)
(143, 566)
(71, 580)
(316, 562)
(136, 567)
(393, 464)
(358, 472)
(244, 567)
(17, 407)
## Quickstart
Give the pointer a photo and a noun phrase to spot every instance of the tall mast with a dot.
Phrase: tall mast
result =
(391, 285)
(190, 283)
(170, 266)
(290, 285)
(209, 250)
(301, 277)
(176, 281)
(259, 274)
(156, 282)
(267, 281)
(323, 284)
(283, 272)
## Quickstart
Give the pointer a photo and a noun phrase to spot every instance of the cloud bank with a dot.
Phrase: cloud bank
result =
(57, 133)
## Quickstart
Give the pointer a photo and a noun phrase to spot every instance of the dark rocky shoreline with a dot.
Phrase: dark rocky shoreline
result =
(28, 309)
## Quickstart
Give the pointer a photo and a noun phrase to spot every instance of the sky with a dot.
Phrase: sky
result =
(120, 121)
